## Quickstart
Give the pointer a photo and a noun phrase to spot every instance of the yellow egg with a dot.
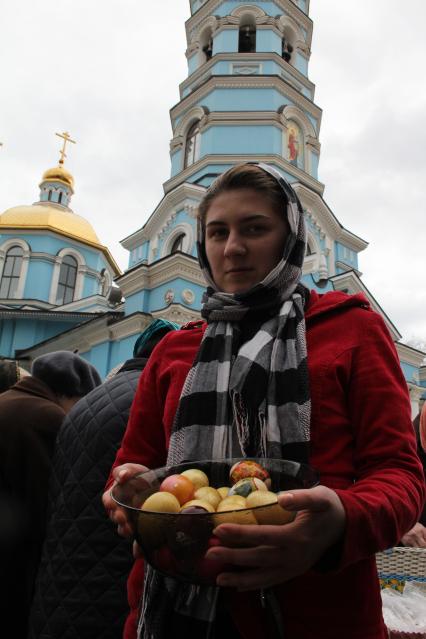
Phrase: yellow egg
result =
(272, 513)
(198, 477)
(233, 513)
(223, 491)
(161, 502)
(201, 503)
(239, 500)
(209, 494)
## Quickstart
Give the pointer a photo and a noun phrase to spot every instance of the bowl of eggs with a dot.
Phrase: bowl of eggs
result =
(174, 510)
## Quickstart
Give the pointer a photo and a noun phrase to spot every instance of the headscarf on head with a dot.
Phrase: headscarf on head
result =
(66, 373)
(260, 387)
(156, 329)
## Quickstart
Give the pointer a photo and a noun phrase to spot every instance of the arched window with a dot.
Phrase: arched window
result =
(192, 147)
(60, 197)
(247, 35)
(67, 280)
(206, 44)
(11, 272)
(177, 243)
(287, 50)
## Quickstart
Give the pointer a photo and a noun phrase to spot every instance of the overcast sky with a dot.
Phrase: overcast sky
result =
(109, 72)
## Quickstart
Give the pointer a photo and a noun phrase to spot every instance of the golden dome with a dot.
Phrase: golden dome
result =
(59, 174)
(51, 218)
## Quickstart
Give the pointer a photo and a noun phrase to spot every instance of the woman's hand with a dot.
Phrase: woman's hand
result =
(276, 554)
(416, 537)
(121, 474)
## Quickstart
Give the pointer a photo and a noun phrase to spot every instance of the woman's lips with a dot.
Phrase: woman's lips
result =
(238, 270)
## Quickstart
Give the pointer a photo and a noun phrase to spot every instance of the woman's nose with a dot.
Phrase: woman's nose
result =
(234, 245)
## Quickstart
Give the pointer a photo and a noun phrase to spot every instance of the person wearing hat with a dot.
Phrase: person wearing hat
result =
(81, 585)
(31, 413)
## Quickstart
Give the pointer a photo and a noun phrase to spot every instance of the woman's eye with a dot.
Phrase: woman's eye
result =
(218, 233)
(254, 229)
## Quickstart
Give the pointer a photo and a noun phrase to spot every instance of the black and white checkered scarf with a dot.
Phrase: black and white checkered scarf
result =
(242, 396)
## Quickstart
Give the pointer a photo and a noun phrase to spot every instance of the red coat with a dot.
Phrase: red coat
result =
(362, 443)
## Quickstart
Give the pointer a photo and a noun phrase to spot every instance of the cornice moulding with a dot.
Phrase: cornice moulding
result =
(410, 355)
(245, 82)
(301, 176)
(129, 326)
(289, 8)
(147, 277)
(177, 313)
(173, 199)
(328, 221)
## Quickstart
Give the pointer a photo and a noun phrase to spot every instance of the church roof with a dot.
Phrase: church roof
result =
(51, 218)
(58, 173)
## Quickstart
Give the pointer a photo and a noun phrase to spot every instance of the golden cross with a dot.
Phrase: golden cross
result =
(66, 138)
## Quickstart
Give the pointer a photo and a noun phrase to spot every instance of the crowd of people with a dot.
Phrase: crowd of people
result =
(272, 370)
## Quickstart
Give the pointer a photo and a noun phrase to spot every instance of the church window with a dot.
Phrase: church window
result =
(309, 250)
(206, 44)
(49, 196)
(295, 145)
(60, 197)
(67, 280)
(192, 147)
(11, 272)
(177, 243)
(247, 36)
(287, 50)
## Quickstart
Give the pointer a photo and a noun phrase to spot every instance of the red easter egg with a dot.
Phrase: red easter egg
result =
(179, 486)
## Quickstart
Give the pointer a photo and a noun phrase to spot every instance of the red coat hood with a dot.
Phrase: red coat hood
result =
(320, 304)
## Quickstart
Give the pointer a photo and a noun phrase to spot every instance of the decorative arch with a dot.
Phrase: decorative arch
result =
(23, 266)
(79, 279)
(248, 9)
(197, 113)
(297, 131)
(292, 38)
(184, 229)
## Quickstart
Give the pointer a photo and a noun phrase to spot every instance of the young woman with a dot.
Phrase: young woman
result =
(278, 371)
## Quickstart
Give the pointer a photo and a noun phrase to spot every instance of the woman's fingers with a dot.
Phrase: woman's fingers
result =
(240, 535)
(316, 499)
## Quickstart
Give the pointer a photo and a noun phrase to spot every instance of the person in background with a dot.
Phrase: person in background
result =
(277, 370)
(416, 537)
(81, 586)
(31, 413)
(10, 373)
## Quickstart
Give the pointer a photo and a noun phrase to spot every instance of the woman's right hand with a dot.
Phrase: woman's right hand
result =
(121, 474)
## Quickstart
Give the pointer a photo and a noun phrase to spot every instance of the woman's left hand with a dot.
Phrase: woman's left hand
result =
(276, 554)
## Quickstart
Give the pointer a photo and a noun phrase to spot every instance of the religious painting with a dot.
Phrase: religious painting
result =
(295, 153)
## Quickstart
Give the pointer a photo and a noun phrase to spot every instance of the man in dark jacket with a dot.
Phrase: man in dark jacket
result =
(31, 413)
(81, 585)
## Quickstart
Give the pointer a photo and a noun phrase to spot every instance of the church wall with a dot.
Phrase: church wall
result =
(16, 334)
(243, 99)
(137, 302)
(177, 286)
(410, 371)
(100, 357)
(226, 41)
(239, 139)
(227, 7)
(177, 162)
(39, 279)
(268, 41)
(346, 255)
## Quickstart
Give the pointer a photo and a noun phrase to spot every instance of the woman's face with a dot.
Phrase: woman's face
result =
(244, 239)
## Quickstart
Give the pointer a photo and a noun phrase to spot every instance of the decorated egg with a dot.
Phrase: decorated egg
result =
(246, 486)
(271, 513)
(248, 468)
(198, 477)
(179, 486)
(161, 502)
(209, 494)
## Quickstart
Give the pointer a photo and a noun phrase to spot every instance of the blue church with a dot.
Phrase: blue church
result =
(247, 97)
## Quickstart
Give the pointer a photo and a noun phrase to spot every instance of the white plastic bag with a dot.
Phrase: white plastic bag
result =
(405, 612)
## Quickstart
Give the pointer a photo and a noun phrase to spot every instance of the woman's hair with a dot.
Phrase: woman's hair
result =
(245, 176)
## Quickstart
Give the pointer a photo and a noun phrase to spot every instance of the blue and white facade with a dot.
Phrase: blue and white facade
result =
(247, 97)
